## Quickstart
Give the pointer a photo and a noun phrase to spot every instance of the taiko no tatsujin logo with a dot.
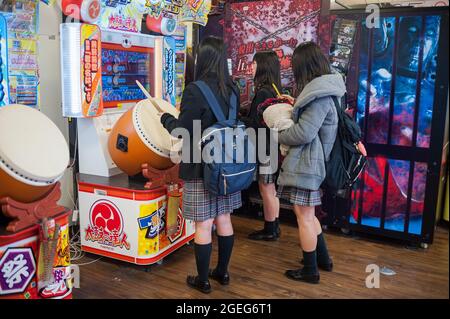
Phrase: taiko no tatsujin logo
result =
(106, 225)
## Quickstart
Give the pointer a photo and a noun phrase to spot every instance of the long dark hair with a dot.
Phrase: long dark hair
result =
(267, 70)
(190, 69)
(308, 63)
(212, 62)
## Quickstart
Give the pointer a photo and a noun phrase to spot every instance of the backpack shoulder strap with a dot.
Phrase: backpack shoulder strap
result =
(233, 104)
(211, 99)
(339, 109)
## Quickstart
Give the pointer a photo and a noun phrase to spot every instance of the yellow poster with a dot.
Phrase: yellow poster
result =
(149, 225)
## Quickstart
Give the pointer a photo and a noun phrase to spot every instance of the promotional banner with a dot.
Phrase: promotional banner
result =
(4, 74)
(268, 25)
(160, 16)
(169, 60)
(196, 11)
(91, 71)
(180, 61)
(22, 23)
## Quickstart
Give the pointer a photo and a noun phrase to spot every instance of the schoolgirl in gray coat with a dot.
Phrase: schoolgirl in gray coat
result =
(310, 142)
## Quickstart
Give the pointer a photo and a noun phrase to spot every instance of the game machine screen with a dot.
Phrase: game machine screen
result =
(126, 60)
(121, 68)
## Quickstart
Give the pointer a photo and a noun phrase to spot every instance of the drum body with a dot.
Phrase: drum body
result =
(21, 191)
(33, 153)
(139, 138)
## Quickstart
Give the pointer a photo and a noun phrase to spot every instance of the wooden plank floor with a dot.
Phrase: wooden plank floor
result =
(257, 270)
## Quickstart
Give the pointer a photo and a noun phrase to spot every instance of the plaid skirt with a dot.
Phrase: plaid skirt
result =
(199, 205)
(266, 178)
(298, 196)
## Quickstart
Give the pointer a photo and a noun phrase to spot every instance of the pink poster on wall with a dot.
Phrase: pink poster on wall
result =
(277, 25)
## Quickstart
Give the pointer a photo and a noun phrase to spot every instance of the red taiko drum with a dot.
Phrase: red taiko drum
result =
(139, 138)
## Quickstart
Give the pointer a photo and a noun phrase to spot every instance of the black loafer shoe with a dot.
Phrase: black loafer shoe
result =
(278, 232)
(221, 279)
(298, 275)
(326, 267)
(263, 235)
(202, 286)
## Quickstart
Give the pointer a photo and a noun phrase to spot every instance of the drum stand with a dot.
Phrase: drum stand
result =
(29, 214)
(160, 178)
(166, 178)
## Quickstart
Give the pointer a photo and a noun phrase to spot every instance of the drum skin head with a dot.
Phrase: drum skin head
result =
(151, 130)
(139, 138)
(33, 151)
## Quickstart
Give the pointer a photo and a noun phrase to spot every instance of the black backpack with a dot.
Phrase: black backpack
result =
(346, 162)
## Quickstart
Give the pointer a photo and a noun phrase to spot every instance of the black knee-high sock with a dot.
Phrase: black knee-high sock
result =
(202, 258)
(310, 263)
(225, 248)
(322, 250)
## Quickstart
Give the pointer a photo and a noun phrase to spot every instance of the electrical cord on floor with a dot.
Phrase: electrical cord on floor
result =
(75, 246)
(75, 250)
(90, 262)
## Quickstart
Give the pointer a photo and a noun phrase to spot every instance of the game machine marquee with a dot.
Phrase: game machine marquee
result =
(128, 188)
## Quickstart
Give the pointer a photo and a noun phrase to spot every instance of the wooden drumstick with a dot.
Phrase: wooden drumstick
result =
(146, 93)
(149, 97)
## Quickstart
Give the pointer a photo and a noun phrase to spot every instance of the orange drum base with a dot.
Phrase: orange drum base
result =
(129, 152)
(21, 192)
(23, 215)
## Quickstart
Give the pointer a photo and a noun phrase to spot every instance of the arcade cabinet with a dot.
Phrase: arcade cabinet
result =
(129, 206)
(397, 84)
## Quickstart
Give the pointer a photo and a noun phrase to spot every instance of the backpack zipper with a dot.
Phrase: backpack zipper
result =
(234, 174)
(203, 139)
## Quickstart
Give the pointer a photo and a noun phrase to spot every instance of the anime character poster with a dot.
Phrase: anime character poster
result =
(397, 82)
(276, 25)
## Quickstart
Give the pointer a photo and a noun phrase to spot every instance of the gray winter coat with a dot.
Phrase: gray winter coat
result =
(304, 166)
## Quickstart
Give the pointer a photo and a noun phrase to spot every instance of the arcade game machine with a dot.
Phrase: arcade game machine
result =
(397, 83)
(252, 26)
(34, 237)
(129, 194)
